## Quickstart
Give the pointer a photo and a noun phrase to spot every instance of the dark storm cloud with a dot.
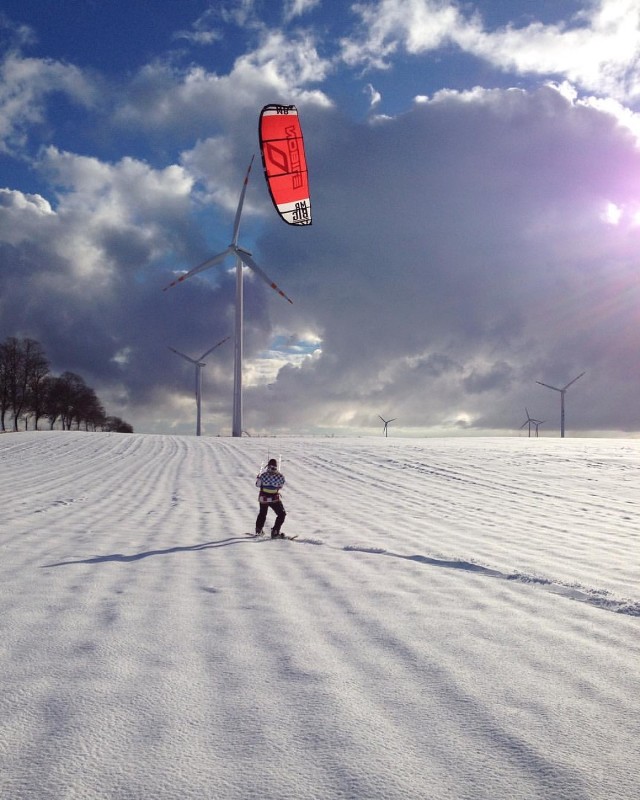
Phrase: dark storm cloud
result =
(460, 251)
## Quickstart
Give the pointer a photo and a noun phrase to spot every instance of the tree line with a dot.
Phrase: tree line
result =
(30, 393)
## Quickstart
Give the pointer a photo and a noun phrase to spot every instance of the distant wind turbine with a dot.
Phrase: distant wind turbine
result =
(386, 424)
(538, 423)
(198, 364)
(242, 257)
(531, 421)
(562, 394)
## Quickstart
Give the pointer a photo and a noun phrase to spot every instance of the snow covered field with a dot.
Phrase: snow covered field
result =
(459, 619)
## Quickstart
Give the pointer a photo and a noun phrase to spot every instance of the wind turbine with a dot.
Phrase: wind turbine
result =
(242, 257)
(386, 424)
(531, 421)
(537, 423)
(562, 394)
(199, 364)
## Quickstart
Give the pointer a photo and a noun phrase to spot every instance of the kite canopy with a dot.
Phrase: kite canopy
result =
(285, 163)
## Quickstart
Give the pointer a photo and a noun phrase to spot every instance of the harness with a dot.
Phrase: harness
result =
(270, 485)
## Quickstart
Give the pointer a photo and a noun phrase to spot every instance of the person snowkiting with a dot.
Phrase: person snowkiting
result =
(270, 481)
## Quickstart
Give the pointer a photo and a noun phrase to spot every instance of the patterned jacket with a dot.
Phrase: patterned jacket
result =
(270, 481)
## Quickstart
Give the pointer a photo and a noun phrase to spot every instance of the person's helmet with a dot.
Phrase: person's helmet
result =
(272, 463)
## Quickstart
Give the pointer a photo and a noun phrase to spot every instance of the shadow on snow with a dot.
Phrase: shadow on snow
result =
(123, 559)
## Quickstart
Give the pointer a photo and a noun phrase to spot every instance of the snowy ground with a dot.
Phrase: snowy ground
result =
(459, 620)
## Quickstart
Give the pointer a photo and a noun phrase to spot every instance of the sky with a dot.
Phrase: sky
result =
(475, 639)
(476, 210)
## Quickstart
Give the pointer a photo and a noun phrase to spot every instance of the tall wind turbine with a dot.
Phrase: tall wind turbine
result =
(562, 394)
(242, 257)
(386, 424)
(198, 364)
(531, 421)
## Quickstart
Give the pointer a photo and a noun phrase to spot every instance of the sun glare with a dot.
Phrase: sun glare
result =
(612, 214)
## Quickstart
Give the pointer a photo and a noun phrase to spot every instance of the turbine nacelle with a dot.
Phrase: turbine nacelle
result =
(243, 255)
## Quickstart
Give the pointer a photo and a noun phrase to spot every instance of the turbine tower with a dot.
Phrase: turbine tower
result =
(198, 364)
(531, 421)
(386, 424)
(562, 394)
(243, 257)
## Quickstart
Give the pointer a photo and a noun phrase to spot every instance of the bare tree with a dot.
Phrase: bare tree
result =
(11, 363)
(5, 403)
(28, 391)
(89, 411)
(38, 371)
(68, 392)
(54, 388)
(25, 365)
(117, 425)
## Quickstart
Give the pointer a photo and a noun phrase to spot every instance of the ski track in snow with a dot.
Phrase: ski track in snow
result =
(421, 638)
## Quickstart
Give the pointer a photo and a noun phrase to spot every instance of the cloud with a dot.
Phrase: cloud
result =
(598, 50)
(26, 86)
(16, 35)
(84, 275)
(239, 12)
(458, 254)
(374, 95)
(197, 103)
(417, 26)
(297, 8)
(111, 218)
(21, 210)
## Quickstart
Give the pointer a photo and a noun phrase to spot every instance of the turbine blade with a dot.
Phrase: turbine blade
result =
(573, 381)
(236, 222)
(247, 259)
(206, 264)
(555, 388)
(211, 349)
(177, 352)
(211, 262)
